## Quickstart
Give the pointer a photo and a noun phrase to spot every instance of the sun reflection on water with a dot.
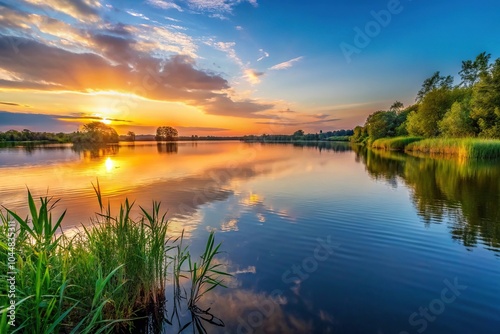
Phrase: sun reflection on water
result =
(109, 164)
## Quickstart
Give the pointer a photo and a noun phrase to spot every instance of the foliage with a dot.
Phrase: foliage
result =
(360, 135)
(436, 81)
(486, 103)
(394, 144)
(166, 133)
(299, 135)
(397, 106)
(27, 135)
(131, 136)
(473, 70)
(471, 109)
(106, 277)
(339, 138)
(95, 133)
(457, 122)
(467, 148)
(432, 110)
(381, 124)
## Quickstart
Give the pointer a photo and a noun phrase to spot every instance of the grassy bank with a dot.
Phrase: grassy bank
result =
(463, 148)
(110, 277)
(394, 144)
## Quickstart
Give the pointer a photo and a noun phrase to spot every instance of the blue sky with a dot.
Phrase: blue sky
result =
(232, 65)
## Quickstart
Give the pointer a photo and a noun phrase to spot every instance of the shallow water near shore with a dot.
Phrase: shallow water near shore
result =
(319, 239)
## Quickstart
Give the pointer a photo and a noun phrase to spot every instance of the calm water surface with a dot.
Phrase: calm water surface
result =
(319, 239)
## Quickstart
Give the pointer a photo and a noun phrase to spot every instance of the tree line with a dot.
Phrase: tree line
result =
(300, 135)
(91, 133)
(27, 135)
(442, 109)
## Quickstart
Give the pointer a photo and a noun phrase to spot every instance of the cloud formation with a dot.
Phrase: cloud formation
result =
(12, 104)
(286, 64)
(253, 76)
(263, 54)
(220, 6)
(298, 123)
(151, 61)
(82, 10)
(165, 4)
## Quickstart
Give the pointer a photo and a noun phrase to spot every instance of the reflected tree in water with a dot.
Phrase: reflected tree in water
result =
(95, 151)
(464, 194)
(167, 148)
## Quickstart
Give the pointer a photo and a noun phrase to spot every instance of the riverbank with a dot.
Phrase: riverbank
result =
(110, 277)
(394, 144)
(463, 148)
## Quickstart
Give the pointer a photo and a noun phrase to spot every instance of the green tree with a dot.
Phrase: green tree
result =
(486, 102)
(96, 133)
(436, 81)
(457, 122)
(431, 110)
(473, 70)
(381, 124)
(397, 106)
(166, 133)
(360, 134)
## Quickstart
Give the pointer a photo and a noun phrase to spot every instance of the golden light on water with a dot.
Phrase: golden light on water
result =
(109, 164)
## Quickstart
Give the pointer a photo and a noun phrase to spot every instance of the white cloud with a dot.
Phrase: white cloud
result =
(285, 65)
(227, 48)
(221, 6)
(239, 28)
(164, 4)
(172, 19)
(82, 10)
(136, 14)
(161, 39)
(218, 16)
(263, 54)
(177, 27)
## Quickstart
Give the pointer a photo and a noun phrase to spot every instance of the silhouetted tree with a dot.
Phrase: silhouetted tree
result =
(166, 133)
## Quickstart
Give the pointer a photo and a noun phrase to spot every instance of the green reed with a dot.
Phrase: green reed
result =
(464, 148)
(394, 144)
(106, 278)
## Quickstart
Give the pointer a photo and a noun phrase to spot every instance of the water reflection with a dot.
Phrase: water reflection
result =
(463, 194)
(95, 151)
(244, 310)
(320, 146)
(167, 148)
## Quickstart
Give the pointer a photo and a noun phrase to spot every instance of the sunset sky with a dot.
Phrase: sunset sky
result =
(227, 67)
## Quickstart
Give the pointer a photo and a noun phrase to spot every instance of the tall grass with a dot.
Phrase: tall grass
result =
(109, 277)
(463, 148)
(394, 144)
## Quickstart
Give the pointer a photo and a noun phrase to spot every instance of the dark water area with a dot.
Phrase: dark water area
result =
(319, 238)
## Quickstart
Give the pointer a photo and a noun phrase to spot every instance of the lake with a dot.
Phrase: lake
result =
(319, 239)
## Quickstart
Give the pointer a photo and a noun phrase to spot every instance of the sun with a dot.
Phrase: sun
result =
(106, 121)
